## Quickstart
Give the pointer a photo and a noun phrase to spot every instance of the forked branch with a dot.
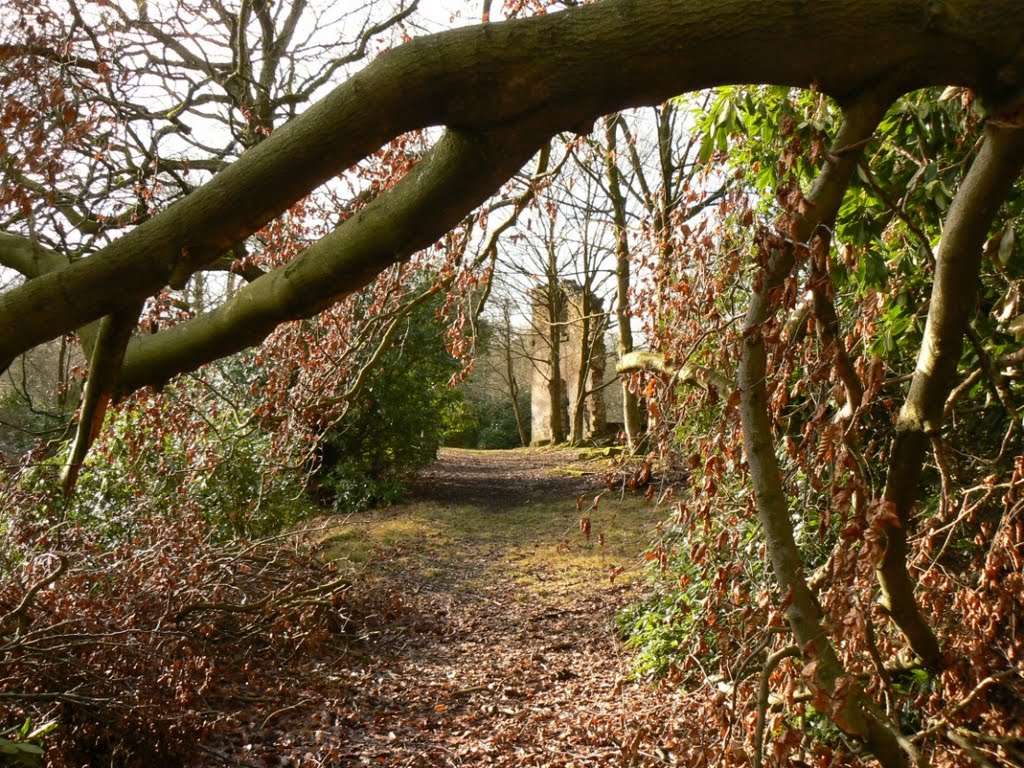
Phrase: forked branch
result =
(104, 371)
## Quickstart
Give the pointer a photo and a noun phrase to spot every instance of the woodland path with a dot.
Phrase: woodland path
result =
(505, 653)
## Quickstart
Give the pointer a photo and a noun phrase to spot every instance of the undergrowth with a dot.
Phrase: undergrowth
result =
(139, 654)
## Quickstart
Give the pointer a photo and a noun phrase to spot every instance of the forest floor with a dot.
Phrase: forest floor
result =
(502, 649)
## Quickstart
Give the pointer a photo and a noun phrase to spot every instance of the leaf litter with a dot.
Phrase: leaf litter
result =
(493, 654)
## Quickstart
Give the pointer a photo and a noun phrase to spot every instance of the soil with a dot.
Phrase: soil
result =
(499, 658)
(501, 479)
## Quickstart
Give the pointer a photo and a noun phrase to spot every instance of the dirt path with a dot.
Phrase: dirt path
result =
(499, 479)
(507, 654)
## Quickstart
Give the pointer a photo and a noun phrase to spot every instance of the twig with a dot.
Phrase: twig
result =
(993, 377)
(943, 721)
(736, 680)
(256, 607)
(224, 758)
(762, 697)
(282, 710)
(7, 621)
(876, 658)
(961, 741)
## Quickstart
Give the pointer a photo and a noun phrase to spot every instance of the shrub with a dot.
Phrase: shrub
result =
(498, 427)
(483, 422)
(126, 649)
(397, 422)
(160, 456)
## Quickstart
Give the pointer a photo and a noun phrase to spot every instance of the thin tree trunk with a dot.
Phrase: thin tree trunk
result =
(852, 713)
(513, 385)
(579, 405)
(624, 337)
(63, 380)
(555, 303)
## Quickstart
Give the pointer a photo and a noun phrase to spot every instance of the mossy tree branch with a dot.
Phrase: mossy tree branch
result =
(533, 77)
(100, 387)
(688, 374)
(954, 291)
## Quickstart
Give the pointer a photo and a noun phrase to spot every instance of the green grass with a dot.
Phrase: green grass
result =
(539, 543)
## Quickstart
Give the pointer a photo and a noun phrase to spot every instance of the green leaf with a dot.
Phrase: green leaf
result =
(725, 116)
(1006, 245)
(707, 148)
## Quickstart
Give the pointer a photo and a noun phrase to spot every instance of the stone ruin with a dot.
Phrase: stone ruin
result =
(571, 321)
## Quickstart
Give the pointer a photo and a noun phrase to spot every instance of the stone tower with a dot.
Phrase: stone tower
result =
(576, 315)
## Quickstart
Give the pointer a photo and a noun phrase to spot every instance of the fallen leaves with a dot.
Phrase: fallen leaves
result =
(481, 673)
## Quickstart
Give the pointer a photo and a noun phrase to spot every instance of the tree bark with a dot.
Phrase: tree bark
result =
(521, 81)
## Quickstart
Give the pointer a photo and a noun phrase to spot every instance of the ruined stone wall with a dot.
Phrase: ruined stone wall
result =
(571, 316)
(540, 398)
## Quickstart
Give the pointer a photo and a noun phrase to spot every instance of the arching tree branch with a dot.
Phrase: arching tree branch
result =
(841, 696)
(457, 175)
(488, 79)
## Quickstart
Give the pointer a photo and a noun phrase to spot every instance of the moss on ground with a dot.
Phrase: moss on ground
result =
(538, 545)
